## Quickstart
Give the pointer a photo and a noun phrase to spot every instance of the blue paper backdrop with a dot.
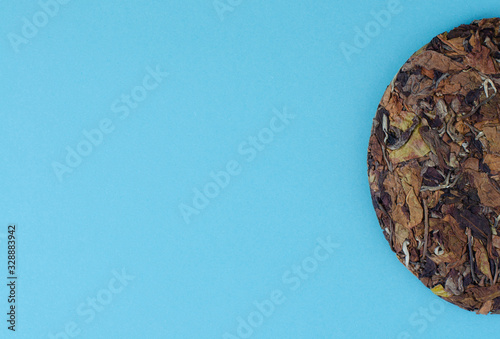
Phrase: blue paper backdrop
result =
(197, 169)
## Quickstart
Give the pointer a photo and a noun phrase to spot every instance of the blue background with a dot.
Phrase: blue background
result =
(120, 207)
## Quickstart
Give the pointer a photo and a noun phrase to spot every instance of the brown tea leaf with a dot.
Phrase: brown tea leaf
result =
(435, 61)
(496, 241)
(493, 136)
(493, 162)
(486, 308)
(479, 58)
(488, 193)
(482, 259)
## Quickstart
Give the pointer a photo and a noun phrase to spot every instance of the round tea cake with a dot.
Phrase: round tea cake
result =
(434, 165)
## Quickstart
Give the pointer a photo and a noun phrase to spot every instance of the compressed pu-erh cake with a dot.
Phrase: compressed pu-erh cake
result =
(434, 165)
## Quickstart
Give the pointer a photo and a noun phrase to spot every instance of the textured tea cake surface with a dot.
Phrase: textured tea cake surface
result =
(434, 165)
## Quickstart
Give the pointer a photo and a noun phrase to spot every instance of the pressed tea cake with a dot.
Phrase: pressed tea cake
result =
(434, 165)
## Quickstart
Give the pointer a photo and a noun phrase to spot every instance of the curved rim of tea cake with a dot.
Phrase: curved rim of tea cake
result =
(434, 165)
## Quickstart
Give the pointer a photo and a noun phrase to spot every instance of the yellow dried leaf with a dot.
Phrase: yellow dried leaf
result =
(402, 119)
(439, 291)
(415, 148)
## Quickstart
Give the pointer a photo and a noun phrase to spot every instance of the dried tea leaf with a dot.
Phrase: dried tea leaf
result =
(486, 308)
(492, 134)
(415, 148)
(488, 192)
(478, 224)
(479, 58)
(440, 291)
(482, 259)
(435, 61)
